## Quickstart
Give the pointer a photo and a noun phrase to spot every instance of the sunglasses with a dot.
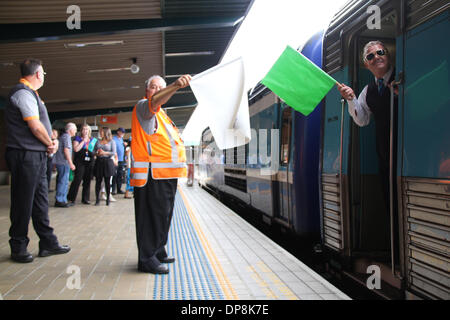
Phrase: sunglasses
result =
(380, 53)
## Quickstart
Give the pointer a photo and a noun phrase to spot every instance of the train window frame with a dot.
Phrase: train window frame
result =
(285, 148)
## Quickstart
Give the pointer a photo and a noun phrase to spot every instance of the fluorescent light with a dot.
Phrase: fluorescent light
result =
(56, 101)
(7, 64)
(181, 107)
(188, 54)
(90, 44)
(120, 88)
(126, 101)
(108, 70)
(177, 75)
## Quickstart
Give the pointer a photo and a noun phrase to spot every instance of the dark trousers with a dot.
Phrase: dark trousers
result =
(29, 199)
(153, 206)
(384, 176)
(83, 172)
(98, 186)
(119, 176)
(104, 169)
(49, 170)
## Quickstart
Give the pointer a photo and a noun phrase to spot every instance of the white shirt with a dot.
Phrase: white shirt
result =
(358, 108)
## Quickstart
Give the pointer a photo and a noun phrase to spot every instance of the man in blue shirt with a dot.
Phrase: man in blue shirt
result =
(120, 172)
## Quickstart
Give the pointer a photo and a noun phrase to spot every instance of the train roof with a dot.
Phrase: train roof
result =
(354, 14)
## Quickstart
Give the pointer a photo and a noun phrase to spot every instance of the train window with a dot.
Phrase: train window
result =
(286, 124)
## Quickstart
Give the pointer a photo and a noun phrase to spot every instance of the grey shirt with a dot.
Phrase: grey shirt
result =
(110, 147)
(26, 102)
(146, 119)
(65, 141)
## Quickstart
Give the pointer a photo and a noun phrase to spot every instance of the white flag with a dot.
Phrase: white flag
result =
(222, 106)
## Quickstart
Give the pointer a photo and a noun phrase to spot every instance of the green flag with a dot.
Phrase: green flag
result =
(298, 81)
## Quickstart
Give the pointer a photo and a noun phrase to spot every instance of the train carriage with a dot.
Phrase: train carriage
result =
(411, 244)
(318, 176)
(276, 173)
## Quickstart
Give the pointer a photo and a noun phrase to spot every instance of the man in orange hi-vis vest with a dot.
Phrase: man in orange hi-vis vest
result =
(158, 159)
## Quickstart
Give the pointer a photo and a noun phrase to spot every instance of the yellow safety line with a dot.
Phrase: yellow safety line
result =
(210, 253)
(262, 283)
(278, 283)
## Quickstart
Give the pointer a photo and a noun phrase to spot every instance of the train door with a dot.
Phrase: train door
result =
(373, 222)
(356, 217)
(283, 175)
(371, 219)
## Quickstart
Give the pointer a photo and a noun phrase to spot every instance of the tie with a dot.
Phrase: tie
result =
(380, 86)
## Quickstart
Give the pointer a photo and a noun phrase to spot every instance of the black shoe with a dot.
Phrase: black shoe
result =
(61, 204)
(166, 259)
(71, 204)
(107, 202)
(153, 268)
(163, 257)
(53, 251)
(97, 202)
(85, 202)
(120, 192)
(22, 257)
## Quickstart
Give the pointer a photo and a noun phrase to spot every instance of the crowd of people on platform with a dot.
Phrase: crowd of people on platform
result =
(82, 158)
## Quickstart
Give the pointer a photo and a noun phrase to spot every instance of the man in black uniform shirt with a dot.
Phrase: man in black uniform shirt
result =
(27, 146)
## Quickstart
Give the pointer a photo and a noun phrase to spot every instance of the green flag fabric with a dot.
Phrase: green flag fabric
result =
(298, 81)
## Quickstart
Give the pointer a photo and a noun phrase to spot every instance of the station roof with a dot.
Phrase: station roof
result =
(88, 69)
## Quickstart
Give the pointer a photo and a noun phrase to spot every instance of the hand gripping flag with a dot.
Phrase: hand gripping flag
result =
(298, 81)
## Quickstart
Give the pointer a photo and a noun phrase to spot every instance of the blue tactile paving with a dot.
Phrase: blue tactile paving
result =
(191, 277)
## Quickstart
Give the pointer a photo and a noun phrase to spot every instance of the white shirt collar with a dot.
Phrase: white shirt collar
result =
(386, 76)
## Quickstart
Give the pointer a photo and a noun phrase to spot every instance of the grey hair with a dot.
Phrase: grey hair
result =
(70, 125)
(147, 83)
(371, 44)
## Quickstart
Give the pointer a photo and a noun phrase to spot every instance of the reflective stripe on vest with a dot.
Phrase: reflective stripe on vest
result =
(138, 176)
(163, 148)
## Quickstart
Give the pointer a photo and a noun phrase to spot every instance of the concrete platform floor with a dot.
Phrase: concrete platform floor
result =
(103, 260)
(103, 243)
